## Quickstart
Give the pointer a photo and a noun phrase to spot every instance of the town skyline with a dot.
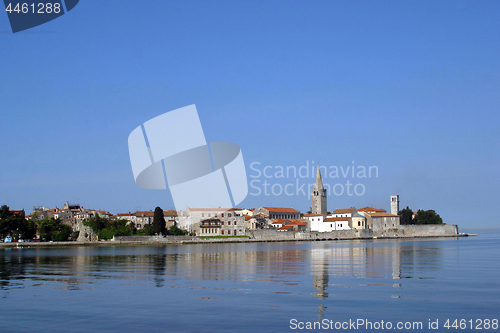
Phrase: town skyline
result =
(393, 90)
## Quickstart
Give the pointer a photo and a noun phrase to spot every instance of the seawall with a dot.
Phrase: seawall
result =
(272, 235)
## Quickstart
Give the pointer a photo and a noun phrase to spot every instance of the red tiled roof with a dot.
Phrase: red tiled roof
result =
(279, 221)
(344, 210)
(247, 217)
(281, 210)
(286, 227)
(370, 209)
(122, 214)
(170, 213)
(144, 213)
(296, 222)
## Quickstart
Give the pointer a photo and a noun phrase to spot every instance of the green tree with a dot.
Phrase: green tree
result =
(53, 230)
(159, 222)
(28, 229)
(97, 223)
(15, 224)
(406, 216)
(107, 228)
(427, 217)
(147, 230)
(176, 231)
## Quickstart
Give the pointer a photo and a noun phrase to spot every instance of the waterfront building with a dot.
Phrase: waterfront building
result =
(277, 213)
(370, 210)
(357, 221)
(294, 225)
(343, 212)
(336, 223)
(230, 223)
(315, 221)
(382, 221)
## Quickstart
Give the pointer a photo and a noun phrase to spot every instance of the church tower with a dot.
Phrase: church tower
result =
(395, 204)
(318, 195)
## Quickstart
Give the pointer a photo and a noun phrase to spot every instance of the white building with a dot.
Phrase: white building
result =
(343, 212)
(336, 223)
(315, 221)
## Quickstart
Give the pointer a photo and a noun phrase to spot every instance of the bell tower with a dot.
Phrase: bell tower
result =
(395, 204)
(318, 195)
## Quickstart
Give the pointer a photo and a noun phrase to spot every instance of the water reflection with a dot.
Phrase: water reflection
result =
(388, 261)
(284, 264)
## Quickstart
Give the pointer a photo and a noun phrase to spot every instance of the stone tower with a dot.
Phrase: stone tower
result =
(318, 195)
(395, 204)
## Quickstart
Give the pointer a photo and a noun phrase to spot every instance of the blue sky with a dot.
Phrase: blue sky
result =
(409, 87)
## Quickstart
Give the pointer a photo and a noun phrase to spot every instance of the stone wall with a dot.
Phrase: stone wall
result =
(270, 234)
(149, 239)
(337, 234)
(426, 230)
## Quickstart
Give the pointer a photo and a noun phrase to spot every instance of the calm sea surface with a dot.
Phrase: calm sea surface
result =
(256, 287)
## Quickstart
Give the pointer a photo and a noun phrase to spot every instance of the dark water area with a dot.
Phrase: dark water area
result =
(257, 287)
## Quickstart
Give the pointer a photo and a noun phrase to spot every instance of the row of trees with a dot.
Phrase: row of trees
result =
(422, 217)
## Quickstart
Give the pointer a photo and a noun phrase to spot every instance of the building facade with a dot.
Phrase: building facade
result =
(277, 213)
(231, 224)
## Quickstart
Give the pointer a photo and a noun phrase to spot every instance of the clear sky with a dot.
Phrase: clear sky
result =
(411, 87)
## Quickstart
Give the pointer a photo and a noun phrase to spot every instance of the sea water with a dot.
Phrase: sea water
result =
(255, 287)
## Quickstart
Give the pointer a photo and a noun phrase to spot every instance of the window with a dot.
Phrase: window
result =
(222, 231)
(222, 214)
(359, 223)
(393, 225)
(202, 215)
(234, 222)
(235, 232)
(222, 223)
(228, 222)
(229, 215)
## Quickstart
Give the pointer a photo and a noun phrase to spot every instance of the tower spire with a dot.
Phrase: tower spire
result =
(318, 195)
(318, 184)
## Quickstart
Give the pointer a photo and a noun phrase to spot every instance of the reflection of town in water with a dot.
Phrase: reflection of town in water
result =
(332, 265)
(378, 263)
